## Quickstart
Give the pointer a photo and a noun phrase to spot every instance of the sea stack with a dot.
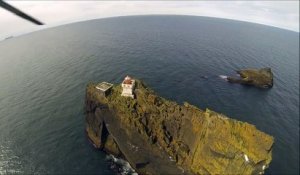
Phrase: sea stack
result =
(158, 136)
(262, 78)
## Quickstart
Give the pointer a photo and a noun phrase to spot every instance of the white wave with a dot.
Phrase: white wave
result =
(223, 77)
(121, 165)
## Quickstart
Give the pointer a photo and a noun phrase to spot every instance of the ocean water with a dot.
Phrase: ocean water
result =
(43, 76)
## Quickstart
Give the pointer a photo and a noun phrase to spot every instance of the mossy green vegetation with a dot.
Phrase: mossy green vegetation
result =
(199, 141)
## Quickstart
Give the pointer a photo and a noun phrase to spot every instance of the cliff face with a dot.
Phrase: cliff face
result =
(262, 78)
(158, 136)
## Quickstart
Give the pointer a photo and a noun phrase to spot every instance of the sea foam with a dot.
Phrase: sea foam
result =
(121, 166)
(223, 77)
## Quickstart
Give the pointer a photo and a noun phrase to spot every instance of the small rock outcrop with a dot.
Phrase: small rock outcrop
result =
(158, 136)
(262, 78)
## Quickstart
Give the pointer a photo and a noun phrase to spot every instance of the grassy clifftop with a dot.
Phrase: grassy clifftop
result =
(199, 141)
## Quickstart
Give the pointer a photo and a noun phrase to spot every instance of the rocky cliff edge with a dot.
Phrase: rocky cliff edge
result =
(158, 136)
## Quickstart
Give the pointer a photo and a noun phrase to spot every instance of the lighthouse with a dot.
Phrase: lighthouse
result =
(128, 87)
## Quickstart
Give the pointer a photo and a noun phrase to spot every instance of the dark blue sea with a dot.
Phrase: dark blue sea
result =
(43, 76)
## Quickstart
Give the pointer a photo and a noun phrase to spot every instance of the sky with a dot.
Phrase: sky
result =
(282, 14)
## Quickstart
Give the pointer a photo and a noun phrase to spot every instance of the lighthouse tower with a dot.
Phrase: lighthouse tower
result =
(128, 87)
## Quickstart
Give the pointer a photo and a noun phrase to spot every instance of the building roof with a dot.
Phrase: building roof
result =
(104, 86)
(127, 80)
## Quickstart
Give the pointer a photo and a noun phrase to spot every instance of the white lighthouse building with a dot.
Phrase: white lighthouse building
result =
(128, 87)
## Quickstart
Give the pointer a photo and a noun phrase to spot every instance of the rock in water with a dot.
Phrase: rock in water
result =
(262, 78)
(158, 136)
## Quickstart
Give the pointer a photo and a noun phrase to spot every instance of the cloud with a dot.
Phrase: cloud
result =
(283, 14)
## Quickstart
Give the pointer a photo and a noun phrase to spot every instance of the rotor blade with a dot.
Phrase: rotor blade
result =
(19, 13)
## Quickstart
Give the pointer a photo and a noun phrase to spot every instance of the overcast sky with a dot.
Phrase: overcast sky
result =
(283, 14)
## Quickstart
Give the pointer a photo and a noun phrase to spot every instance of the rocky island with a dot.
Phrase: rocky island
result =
(158, 136)
(262, 78)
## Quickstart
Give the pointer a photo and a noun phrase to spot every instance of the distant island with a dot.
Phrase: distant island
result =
(158, 136)
(262, 78)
